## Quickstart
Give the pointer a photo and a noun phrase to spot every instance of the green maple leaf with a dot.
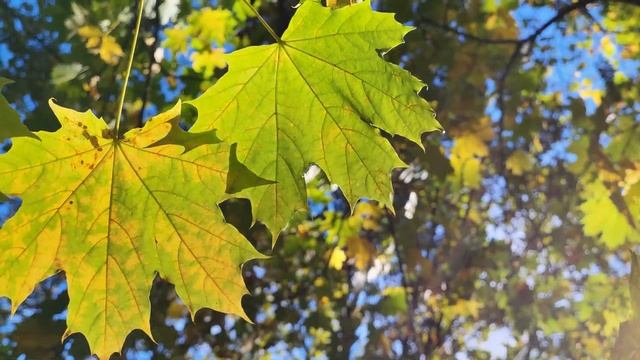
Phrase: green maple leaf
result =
(319, 95)
(601, 217)
(11, 124)
(112, 214)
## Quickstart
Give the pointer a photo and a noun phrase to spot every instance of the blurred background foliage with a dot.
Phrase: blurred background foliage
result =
(509, 238)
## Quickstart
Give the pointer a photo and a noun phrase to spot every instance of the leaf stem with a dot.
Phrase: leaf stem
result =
(129, 66)
(263, 21)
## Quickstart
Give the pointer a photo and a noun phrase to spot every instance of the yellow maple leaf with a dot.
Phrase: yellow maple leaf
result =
(337, 259)
(607, 47)
(110, 51)
(89, 32)
(206, 62)
(177, 39)
(466, 159)
(100, 208)
(587, 91)
(100, 43)
(367, 215)
(362, 251)
(602, 218)
(212, 25)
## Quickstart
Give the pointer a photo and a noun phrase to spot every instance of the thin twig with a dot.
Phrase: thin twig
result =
(263, 21)
(129, 66)
(515, 55)
(405, 284)
(466, 35)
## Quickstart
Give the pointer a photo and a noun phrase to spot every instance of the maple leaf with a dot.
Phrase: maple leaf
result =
(602, 217)
(112, 213)
(466, 159)
(212, 25)
(206, 62)
(320, 95)
(101, 43)
(177, 39)
(337, 258)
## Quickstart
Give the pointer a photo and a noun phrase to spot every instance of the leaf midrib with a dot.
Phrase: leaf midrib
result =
(182, 240)
(335, 121)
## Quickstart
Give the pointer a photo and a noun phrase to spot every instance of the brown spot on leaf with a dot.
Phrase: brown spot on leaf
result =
(92, 139)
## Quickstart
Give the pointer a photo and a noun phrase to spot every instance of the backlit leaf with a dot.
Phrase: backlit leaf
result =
(602, 218)
(211, 25)
(319, 97)
(101, 43)
(113, 213)
(466, 159)
(177, 39)
(206, 62)
(337, 259)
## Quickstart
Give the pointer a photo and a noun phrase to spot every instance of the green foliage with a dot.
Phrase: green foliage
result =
(206, 31)
(320, 95)
(507, 238)
(124, 209)
(602, 217)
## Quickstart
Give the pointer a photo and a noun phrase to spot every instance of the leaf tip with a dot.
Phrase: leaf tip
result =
(4, 81)
(14, 308)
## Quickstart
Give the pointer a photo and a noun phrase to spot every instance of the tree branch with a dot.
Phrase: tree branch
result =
(409, 290)
(521, 45)
(466, 35)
